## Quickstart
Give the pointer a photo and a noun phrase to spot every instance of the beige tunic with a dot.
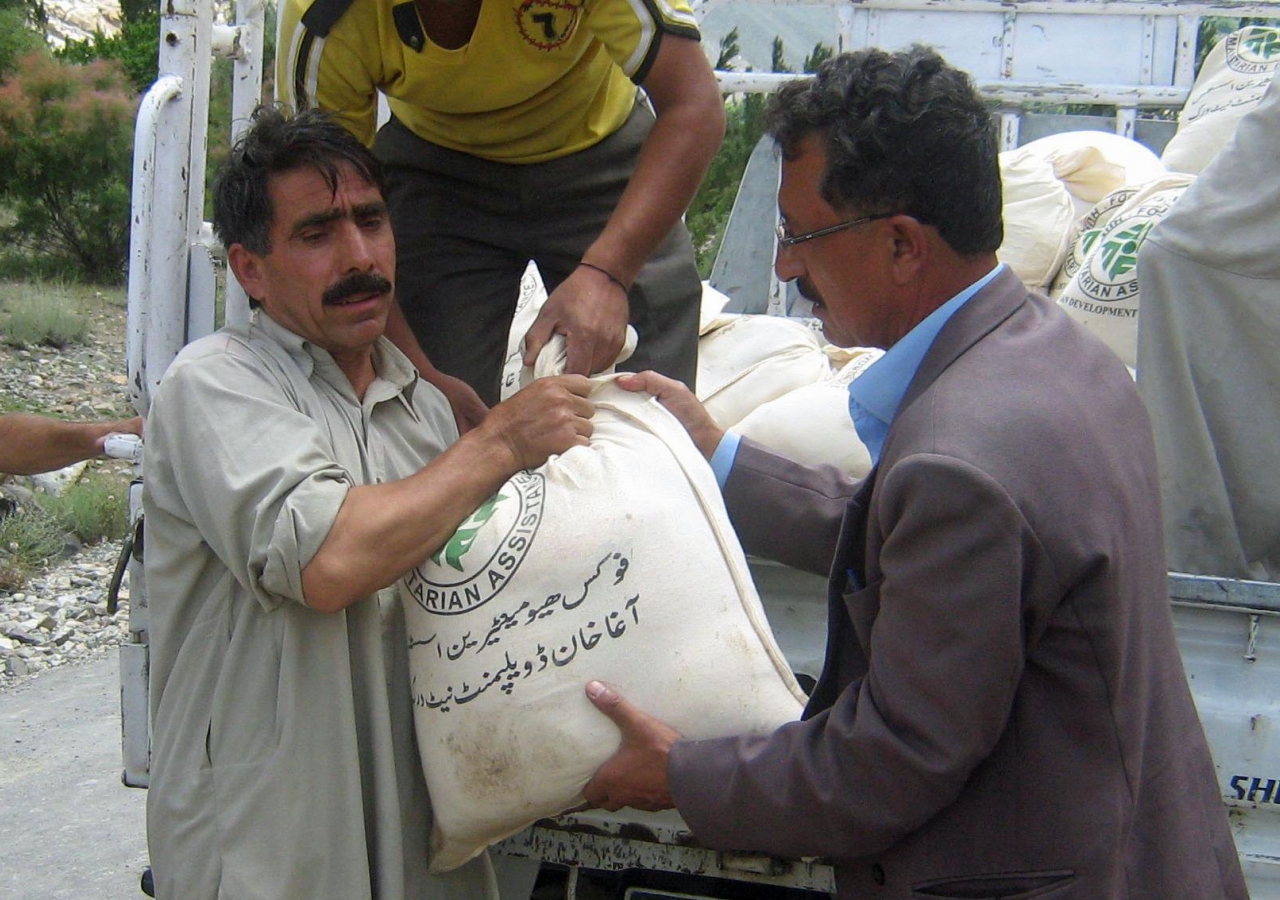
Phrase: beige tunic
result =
(284, 763)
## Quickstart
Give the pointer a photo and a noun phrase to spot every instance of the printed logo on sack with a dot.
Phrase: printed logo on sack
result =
(1090, 231)
(1253, 50)
(547, 24)
(1108, 273)
(486, 550)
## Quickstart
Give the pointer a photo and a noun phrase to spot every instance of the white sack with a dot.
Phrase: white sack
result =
(614, 561)
(1039, 218)
(811, 424)
(711, 313)
(533, 294)
(749, 360)
(1088, 230)
(1232, 80)
(1093, 164)
(1103, 293)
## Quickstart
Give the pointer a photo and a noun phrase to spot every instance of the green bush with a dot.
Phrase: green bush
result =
(709, 211)
(43, 315)
(136, 48)
(95, 508)
(17, 37)
(66, 134)
(29, 539)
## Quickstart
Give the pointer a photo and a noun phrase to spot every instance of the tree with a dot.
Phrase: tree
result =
(779, 58)
(66, 135)
(729, 48)
(821, 53)
(136, 47)
(20, 32)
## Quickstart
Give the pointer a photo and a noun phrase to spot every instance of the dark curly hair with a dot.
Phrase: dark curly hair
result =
(274, 143)
(904, 133)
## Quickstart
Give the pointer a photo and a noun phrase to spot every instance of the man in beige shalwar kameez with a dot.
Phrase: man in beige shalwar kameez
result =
(296, 467)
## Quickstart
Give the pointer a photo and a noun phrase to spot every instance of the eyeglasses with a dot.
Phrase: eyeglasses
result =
(790, 240)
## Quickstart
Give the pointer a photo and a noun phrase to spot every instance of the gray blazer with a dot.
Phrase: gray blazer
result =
(1003, 711)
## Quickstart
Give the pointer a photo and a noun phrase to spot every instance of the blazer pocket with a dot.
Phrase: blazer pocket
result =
(863, 605)
(1008, 886)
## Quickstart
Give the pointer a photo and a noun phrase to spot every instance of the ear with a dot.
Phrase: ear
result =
(249, 269)
(911, 247)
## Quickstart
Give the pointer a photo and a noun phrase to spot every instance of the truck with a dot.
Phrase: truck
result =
(1130, 56)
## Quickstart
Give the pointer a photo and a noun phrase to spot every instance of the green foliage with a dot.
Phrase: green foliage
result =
(66, 134)
(135, 48)
(710, 208)
(821, 53)
(95, 508)
(29, 539)
(18, 37)
(729, 48)
(709, 211)
(133, 10)
(48, 317)
(779, 58)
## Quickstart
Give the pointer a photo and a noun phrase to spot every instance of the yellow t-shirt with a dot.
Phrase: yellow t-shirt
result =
(539, 79)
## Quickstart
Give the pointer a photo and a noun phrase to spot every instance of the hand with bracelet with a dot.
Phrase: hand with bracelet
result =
(590, 309)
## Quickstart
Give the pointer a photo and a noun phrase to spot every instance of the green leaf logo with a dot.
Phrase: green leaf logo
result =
(1120, 252)
(465, 536)
(1263, 43)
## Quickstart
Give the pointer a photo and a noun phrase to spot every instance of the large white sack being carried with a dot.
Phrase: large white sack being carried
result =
(533, 294)
(1093, 164)
(1039, 218)
(1231, 82)
(614, 561)
(811, 424)
(711, 314)
(751, 359)
(1103, 292)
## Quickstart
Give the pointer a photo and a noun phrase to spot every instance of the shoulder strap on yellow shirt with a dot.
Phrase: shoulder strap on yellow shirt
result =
(323, 15)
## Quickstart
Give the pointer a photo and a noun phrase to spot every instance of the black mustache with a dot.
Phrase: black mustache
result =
(358, 283)
(808, 291)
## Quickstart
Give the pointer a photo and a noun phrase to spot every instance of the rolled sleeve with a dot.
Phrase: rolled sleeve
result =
(267, 488)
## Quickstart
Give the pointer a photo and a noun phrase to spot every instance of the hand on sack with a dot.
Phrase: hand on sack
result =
(636, 775)
(590, 310)
(549, 416)
(681, 402)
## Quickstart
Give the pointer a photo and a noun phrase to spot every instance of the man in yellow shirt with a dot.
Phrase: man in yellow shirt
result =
(517, 132)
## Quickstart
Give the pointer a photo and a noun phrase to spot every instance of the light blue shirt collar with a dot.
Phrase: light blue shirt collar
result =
(875, 395)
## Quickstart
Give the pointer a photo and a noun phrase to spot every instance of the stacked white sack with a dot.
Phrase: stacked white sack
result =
(1102, 291)
(1093, 164)
(1039, 218)
(744, 361)
(811, 424)
(1231, 82)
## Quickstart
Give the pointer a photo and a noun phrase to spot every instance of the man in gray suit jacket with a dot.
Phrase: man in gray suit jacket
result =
(1003, 710)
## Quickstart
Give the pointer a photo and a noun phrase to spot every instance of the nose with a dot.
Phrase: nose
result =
(358, 255)
(786, 263)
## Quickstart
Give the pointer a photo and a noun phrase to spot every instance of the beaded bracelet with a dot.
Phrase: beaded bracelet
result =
(606, 274)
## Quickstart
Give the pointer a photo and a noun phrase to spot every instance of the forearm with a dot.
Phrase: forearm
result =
(30, 444)
(381, 531)
(675, 157)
